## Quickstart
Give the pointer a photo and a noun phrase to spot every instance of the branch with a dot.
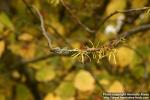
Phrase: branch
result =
(43, 28)
(112, 43)
(40, 18)
(125, 11)
(102, 50)
(68, 52)
(135, 30)
(36, 59)
(29, 9)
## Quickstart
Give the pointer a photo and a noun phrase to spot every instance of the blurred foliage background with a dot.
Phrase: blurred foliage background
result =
(28, 71)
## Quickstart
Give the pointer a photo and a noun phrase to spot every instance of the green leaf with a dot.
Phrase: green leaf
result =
(144, 50)
(4, 19)
(23, 93)
(138, 71)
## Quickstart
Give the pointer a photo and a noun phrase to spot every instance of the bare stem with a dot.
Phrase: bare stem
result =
(43, 28)
(124, 11)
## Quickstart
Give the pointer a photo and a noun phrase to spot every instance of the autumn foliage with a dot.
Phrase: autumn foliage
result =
(73, 49)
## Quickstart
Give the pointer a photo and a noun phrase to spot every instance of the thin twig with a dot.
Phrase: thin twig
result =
(76, 18)
(36, 17)
(124, 11)
(113, 43)
(29, 9)
(43, 28)
(137, 29)
(37, 59)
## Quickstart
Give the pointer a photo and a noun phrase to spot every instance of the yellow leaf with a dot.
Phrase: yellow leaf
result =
(138, 3)
(58, 26)
(68, 62)
(124, 56)
(5, 20)
(115, 5)
(70, 76)
(84, 81)
(25, 37)
(45, 74)
(104, 82)
(51, 96)
(15, 74)
(75, 44)
(14, 48)
(116, 87)
(2, 97)
(2, 47)
(54, 2)
(27, 51)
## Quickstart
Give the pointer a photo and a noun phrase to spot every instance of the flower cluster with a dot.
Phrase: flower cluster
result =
(96, 52)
